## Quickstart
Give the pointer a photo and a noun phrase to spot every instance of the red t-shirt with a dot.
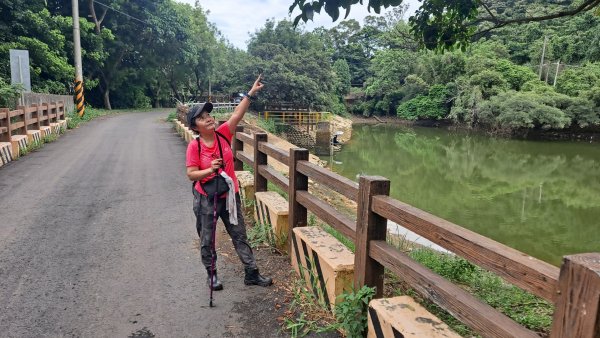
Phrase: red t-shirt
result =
(210, 153)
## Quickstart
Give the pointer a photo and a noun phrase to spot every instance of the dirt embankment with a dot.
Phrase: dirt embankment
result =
(338, 123)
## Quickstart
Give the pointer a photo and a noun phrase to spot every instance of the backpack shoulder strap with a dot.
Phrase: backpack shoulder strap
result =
(194, 182)
(220, 150)
(223, 136)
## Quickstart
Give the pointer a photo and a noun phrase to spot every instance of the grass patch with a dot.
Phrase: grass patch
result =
(277, 189)
(310, 313)
(523, 307)
(267, 125)
(172, 116)
(261, 233)
(35, 145)
(23, 151)
(74, 120)
(50, 138)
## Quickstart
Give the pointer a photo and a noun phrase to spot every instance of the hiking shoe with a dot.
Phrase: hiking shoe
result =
(253, 277)
(217, 285)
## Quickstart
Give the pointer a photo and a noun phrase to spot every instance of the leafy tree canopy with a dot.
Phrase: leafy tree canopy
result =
(444, 25)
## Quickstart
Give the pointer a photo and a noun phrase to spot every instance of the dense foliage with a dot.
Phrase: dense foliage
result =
(137, 54)
(445, 25)
(496, 83)
(164, 51)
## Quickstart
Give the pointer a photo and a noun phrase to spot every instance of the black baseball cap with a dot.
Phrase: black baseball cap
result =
(195, 111)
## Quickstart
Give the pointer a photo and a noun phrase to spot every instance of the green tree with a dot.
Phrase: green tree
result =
(446, 24)
(575, 81)
(390, 68)
(295, 64)
(342, 75)
(41, 34)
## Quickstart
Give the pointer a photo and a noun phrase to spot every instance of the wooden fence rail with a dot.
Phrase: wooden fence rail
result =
(30, 99)
(574, 289)
(18, 121)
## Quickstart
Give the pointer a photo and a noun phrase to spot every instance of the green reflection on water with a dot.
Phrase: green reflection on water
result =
(542, 198)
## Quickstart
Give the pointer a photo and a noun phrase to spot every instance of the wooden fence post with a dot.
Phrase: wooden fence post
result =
(260, 158)
(369, 226)
(297, 214)
(577, 310)
(5, 123)
(52, 112)
(238, 145)
(36, 115)
(46, 114)
(23, 119)
(61, 110)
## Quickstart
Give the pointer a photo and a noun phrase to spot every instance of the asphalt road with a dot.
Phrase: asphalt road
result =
(97, 239)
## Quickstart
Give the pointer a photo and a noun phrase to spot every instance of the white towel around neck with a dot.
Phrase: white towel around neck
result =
(230, 206)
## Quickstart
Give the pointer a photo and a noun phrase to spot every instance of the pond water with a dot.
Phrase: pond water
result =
(541, 198)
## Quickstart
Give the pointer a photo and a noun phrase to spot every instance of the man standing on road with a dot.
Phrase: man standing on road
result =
(206, 158)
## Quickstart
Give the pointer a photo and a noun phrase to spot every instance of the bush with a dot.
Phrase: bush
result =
(172, 116)
(9, 94)
(537, 86)
(413, 87)
(336, 106)
(130, 97)
(575, 81)
(513, 110)
(580, 110)
(594, 96)
(490, 82)
(351, 313)
(514, 75)
(432, 106)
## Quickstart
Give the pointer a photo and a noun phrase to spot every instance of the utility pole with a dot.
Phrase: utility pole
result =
(556, 75)
(543, 54)
(79, 100)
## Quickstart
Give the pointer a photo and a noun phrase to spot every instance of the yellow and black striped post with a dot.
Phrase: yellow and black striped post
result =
(79, 100)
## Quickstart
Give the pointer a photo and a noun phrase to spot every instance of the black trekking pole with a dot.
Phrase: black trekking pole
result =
(212, 246)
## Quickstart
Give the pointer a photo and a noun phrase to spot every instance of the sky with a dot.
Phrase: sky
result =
(237, 19)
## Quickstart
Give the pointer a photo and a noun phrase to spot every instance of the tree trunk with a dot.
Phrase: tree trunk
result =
(106, 96)
(97, 21)
(156, 96)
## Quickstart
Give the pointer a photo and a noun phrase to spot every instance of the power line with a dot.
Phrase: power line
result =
(118, 11)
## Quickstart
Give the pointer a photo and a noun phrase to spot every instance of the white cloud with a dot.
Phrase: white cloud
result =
(237, 19)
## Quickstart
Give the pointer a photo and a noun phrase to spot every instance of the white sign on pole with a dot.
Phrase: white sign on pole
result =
(19, 68)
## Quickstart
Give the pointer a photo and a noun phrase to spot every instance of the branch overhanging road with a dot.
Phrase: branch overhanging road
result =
(97, 239)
